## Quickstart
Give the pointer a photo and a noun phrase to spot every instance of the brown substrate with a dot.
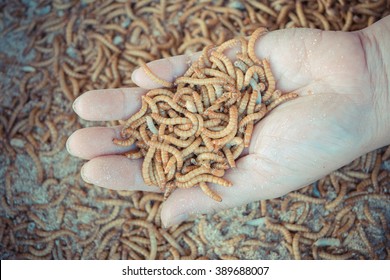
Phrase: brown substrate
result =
(52, 51)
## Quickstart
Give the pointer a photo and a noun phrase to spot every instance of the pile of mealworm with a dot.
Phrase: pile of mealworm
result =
(51, 51)
(192, 133)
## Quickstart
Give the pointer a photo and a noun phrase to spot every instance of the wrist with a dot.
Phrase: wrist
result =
(375, 41)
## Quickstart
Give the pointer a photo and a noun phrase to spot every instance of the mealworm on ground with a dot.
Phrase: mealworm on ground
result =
(338, 199)
(316, 235)
(328, 256)
(275, 227)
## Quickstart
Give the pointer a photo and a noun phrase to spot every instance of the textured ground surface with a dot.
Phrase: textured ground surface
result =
(52, 51)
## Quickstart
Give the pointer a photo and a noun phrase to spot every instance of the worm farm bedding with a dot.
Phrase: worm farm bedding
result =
(53, 51)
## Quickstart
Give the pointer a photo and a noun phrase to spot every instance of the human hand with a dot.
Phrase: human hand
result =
(331, 123)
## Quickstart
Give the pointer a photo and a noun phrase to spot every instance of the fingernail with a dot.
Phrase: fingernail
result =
(68, 146)
(74, 105)
(83, 176)
(133, 75)
(175, 220)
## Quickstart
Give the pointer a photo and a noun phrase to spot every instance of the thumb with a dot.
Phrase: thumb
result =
(248, 185)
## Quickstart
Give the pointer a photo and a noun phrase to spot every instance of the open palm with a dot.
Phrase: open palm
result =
(296, 144)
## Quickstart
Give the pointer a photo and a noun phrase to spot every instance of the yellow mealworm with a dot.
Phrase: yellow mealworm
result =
(198, 171)
(135, 247)
(228, 44)
(339, 198)
(233, 118)
(195, 81)
(144, 134)
(226, 61)
(218, 74)
(169, 149)
(193, 248)
(170, 121)
(37, 162)
(327, 256)
(171, 240)
(295, 227)
(210, 157)
(146, 165)
(209, 192)
(229, 157)
(256, 72)
(153, 76)
(40, 253)
(152, 103)
(111, 217)
(316, 235)
(283, 230)
(169, 101)
(124, 142)
(135, 154)
(252, 41)
(137, 115)
(204, 178)
(302, 197)
(253, 117)
(248, 134)
(160, 175)
(295, 246)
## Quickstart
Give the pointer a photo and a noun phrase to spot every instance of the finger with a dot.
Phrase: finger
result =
(115, 172)
(167, 69)
(87, 143)
(108, 104)
(248, 185)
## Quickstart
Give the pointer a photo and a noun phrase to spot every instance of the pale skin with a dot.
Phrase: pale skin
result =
(341, 113)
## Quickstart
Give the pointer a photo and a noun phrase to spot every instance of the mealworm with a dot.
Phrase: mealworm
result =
(168, 237)
(160, 175)
(153, 76)
(226, 61)
(210, 157)
(248, 134)
(110, 217)
(135, 247)
(316, 235)
(295, 246)
(124, 142)
(233, 119)
(147, 164)
(281, 229)
(253, 117)
(193, 248)
(251, 44)
(209, 192)
(40, 253)
(305, 198)
(198, 171)
(229, 157)
(170, 149)
(338, 199)
(170, 121)
(328, 256)
(204, 178)
(195, 81)
(135, 154)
